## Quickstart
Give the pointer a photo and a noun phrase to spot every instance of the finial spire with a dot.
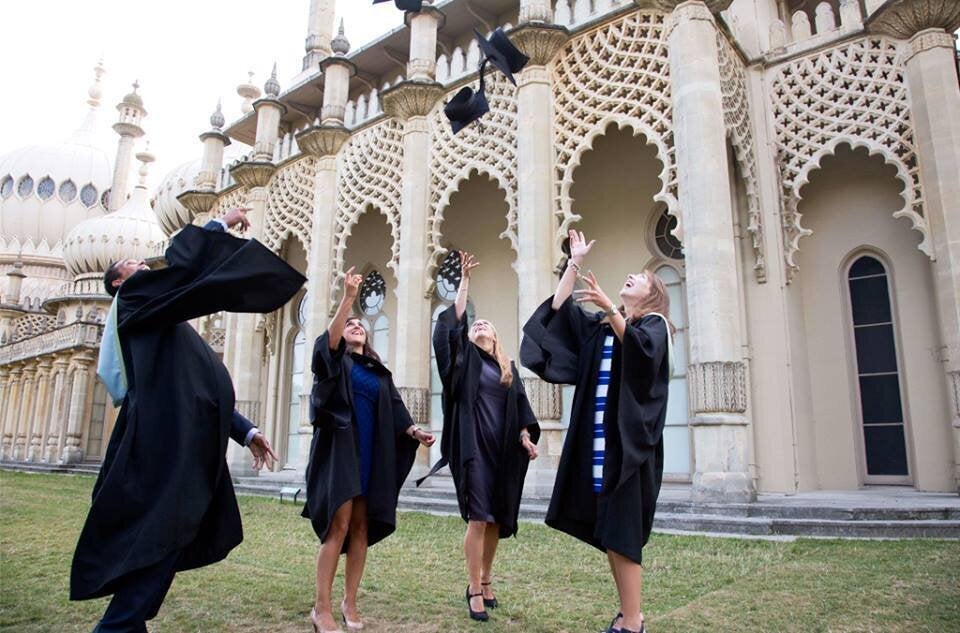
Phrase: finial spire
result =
(145, 158)
(340, 44)
(216, 119)
(95, 92)
(248, 91)
(272, 87)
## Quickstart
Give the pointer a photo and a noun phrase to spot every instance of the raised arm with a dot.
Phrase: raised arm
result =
(579, 248)
(351, 286)
(467, 263)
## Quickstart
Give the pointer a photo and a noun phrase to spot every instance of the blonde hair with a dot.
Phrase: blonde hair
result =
(657, 300)
(506, 369)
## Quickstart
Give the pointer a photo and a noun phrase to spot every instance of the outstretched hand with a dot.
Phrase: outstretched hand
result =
(235, 216)
(351, 284)
(263, 454)
(467, 263)
(593, 293)
(579, 247)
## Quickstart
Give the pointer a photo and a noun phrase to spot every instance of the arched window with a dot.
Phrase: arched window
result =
(6, 186)
(370, 301)
(381, 337)
(25, 186)
(878, 374)
(46, 188)
(676, 433)
(667, 243)
(105, 199)
(68, 191)
(297, 351)
(88, 195)
(448, 276)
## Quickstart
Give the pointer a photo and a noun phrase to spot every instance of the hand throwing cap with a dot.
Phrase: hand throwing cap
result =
(502, 53)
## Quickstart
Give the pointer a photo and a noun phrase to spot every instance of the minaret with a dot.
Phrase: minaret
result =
(128, 127)
(85, 134)
(249, 92)
(319, 33)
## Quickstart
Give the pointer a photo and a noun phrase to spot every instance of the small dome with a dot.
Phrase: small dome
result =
(172, 215)
(132, 231)
(133, 99)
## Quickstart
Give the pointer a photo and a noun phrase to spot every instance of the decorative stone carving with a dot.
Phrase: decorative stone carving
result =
(251, 174)
(249, 409)
(411, 98)
(904, 18)
(489, 147)
(717, 387)
(198, 202)
(540, 42)
(620, 74)
(369, 175)
(323, 140)
(855, 94)
(736, 118)
(927, 40)
(535, 11)
(710, 6)
(417, 401)
(545, 398)
(953, 378)
(289, 210)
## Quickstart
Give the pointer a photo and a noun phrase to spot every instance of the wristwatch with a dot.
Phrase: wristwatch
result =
(611, 311)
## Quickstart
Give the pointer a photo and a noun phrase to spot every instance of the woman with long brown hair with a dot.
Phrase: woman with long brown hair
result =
(364, 444)
(489, 436)
(610, 471)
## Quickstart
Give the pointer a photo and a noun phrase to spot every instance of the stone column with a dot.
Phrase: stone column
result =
(199, 199)
(411, 102)
(319, 32)
(931, 73)
(11, 398)
(38, 415)
(128, 128)
(57, 410)
(80, 367)
(717, 372)
(536, 223)
(25, 410)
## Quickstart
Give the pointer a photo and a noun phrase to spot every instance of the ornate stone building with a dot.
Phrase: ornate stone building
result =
(791, 170)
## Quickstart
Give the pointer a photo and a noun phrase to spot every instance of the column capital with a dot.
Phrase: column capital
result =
(323, 140)
(252, 173)
(691, 9)
(60, 363)
(539, 41)
(81, 360)
(411, 98)
(197, 201)
(905, 18)
(926, 40)
(718, 387)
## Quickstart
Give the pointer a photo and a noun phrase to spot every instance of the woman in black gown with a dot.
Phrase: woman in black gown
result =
(611, 467)
(489, 436)
(364, 444)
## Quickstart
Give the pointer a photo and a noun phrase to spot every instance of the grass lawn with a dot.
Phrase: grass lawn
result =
(546, 581)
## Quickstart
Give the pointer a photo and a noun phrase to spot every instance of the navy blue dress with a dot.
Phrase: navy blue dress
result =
(366, 395)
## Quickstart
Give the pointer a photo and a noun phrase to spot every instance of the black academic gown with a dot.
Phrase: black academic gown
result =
(564, 347)
(164, 484)
(459, 364)
(333, 472)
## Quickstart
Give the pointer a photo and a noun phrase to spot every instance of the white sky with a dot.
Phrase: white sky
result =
(185, 53)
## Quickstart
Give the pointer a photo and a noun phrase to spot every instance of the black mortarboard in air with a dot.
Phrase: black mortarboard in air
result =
(502, 53)
(405, 5)
(467, 106)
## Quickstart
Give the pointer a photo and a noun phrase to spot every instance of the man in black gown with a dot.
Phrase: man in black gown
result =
(164, 500)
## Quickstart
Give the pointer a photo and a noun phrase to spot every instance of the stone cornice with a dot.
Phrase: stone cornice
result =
(411, 98)
(688, 11)
(539, 41)
(253, 174)
(905, 18)
(339, 60)
(714, 6)
(323, 140)
(77, 335)
(426, 9)
(217, 135)
(926, 40)
(268, 101)
(197, 201)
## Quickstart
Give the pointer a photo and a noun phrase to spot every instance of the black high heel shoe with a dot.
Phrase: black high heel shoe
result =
(479, 616)
(609, 629)
(492, 602)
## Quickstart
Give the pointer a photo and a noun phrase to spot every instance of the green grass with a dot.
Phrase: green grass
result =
(546, 581)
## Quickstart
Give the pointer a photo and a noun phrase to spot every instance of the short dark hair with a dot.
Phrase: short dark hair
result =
(112, 274)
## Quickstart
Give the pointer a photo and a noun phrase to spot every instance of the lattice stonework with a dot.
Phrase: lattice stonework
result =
(736, 118)
(32, 325)
(488, 146)
(235, 198)
(290, 204)
(852, 94)
(618, 73)
(369, 174)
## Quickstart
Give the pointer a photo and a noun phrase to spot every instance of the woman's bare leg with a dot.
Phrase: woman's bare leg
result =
(616, 581)
(356, 558)
(473, 552)
(491, 538)
(327, 565)
(629, 578)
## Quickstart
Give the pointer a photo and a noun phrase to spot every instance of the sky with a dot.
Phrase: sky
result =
(185, 54)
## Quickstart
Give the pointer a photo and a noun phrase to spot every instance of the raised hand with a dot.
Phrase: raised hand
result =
(467, 263)
(263, 454)
(579, 247)
(235, 216)
(351, 284)
(593, 293)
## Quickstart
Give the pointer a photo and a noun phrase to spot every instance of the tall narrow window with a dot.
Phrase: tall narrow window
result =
(676, 433)
(878, 373)
(297, 351)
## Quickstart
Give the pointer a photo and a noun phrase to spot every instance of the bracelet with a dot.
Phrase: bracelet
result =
(413, 433)
(574, 265)
(524, 435)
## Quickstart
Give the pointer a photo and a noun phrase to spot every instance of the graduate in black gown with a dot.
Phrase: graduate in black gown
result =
(610, 471)
(163, 501)
(489, 436)
(364, 444)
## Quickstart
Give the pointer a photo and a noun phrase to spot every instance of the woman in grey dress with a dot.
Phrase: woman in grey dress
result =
(489, 436)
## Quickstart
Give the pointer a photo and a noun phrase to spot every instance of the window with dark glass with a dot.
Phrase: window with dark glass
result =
(25, 187)
(6, 187)
(667, 242)
(878, 373)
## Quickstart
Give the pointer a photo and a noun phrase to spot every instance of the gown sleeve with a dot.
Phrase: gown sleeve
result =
(527, 420)
(449, 339)
(552, 340)
(328, 405)
(644, 382)
(207, 272)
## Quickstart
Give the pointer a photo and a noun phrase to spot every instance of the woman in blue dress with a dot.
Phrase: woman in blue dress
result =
(364, 444)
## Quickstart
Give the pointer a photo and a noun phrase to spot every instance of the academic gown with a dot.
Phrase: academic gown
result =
(164, 484)
(459, 363)
(564, 347)
(333, 471)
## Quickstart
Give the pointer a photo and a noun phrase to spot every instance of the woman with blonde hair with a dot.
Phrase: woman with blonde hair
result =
(489, 436)
(620, 360)
(364, 444)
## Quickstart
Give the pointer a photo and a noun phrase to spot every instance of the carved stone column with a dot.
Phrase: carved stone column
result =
(57, 410)
(931, 73)
(717, 372)
(41, 407)
(80, 367)
(200, 197)
(27, 397)
(12, 399)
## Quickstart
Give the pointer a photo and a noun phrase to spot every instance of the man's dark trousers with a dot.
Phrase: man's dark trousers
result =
(139, 597)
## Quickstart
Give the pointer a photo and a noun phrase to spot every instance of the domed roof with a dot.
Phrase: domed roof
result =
(46, 190)
(130, 232)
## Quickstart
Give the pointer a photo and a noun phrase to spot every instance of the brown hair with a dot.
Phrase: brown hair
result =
(506, 369)
(367, 347)
(657, 300)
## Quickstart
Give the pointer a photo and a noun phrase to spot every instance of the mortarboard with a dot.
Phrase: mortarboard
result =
(405, 5)
(502, 53)
(467, 106)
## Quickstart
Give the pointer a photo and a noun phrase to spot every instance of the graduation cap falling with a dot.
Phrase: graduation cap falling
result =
(405, 5)
(467, 106)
